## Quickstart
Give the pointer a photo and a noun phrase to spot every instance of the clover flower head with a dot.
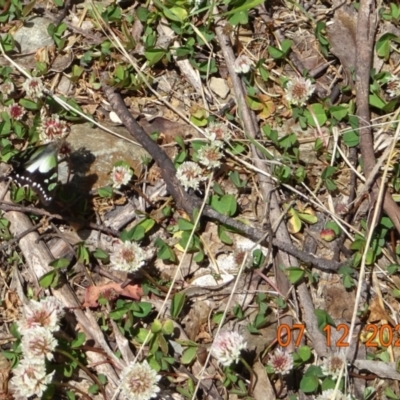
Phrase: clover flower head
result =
(45, 313)
(242, 64)
(52, 129)
(120, 176)
(333, 364)
(33, 87)
(7, 88)
(16, 112)
(217, 132)
(139, 381)
(210, 156)
(29, 379)
(393, 86)
(127, 256)
(190, 175)
(298, 90)
(281, 362)
(227, 347)
(38, 343)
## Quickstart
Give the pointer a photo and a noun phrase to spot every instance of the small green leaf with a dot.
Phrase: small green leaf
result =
(308, 218)
(376, 101)
(78, 341)
(351, 139)
(178, 301)
(236, 180)
(166, 253)
(309, 384)
(240, 18)
(118, 313)
(162, 344)
(156, 326)
(383, 45)
(180, 12)
(338, 112)
(167, 13)
(328, 383)
(224, 236)
(30, 104)
(47, 280)
(100, 254)
(154, 55)
(189, 355)
(137, 233)
(295, 274)
(247, 5)
(226, 204)
(294, 222)
(60, 263)
(185, 225)
(168, 327)
(323, 319)
(304, 352)
(142, 13)
(334, 226)
(199, 256)
(318, 113)
(28, 8)
(275, 53)
(83, 254)
(105, 192)
(142, 310)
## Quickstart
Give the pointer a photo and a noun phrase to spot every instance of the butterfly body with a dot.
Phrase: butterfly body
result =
(37, 168)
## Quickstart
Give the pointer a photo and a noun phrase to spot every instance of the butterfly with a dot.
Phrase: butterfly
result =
(37, 168)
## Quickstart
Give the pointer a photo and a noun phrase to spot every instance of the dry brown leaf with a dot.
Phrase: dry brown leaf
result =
(377, 313)
(111, 290)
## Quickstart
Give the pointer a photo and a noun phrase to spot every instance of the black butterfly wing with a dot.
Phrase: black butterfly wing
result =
(37, 168)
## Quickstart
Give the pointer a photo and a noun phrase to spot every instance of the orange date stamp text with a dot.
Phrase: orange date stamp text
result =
(377, 335)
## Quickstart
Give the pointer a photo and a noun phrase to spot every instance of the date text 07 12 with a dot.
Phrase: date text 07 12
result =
(377, 335)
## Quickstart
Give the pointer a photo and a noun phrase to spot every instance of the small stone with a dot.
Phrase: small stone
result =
(219, 87)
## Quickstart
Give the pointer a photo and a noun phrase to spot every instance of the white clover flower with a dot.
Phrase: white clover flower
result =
(242, 64)
(210, 156)
(45, 313)
(217, 132)
(281, 362)
(227, 347)
(16, 112)
(332, 365)
(52, 129)
(33, 87)
(29, 379)
(127, 257)
(393, 86)
(139, 381)
(329, 395)
(38, 343)
(120, 176)
(190, 175)
(298, 90)
(7, 88)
